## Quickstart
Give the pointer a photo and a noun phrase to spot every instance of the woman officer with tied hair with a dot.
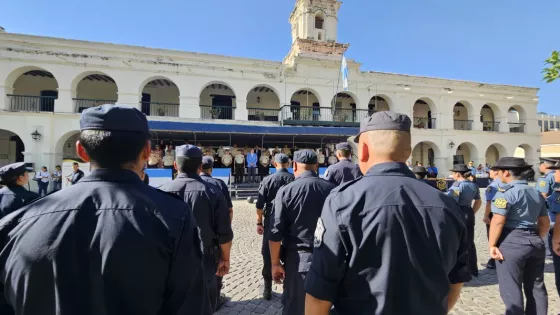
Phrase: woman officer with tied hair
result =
(519, 223)
(465, 192)
(14, 196)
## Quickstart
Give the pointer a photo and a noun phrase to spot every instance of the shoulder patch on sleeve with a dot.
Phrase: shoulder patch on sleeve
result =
(456, 193)
(542, 183)
(500, 203)
(557, 198)
(456, 184)
(319, 232)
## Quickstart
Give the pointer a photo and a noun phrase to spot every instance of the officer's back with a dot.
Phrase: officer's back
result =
(345, 170)
(387, 243)
(13, 194)
(271, 184)
(108, 244)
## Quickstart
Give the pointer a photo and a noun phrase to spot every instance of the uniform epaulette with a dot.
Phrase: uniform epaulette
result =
(503, 188)
(456, 184)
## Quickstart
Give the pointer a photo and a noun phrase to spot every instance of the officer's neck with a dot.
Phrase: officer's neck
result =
(137, 169)
(206, 172)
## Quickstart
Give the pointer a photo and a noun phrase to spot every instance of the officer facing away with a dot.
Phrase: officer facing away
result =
(420, 172)
(206, 175)
(212, 217)
(267, 193)
(554, 208)
(344, 170)
(387, 243)
(465, 192)
(491, 191)
(13, 195)
(520, 221)
(108, 244)
(293, 220)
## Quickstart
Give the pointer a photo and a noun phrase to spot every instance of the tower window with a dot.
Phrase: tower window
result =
(320, 37)
(319, 22)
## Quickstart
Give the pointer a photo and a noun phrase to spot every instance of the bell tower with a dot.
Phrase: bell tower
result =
(315, 29)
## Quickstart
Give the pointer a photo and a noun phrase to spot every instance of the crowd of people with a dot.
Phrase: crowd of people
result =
(371, 238)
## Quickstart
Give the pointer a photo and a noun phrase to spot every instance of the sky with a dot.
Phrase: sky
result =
(497, 41)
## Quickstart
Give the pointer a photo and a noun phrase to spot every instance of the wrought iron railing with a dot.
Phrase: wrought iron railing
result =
(25, 103)
(462, 124)
(160, 109)
(491, 126)
(216, 112)
(263, 114)
(321, 116)
(516, 127)
(80, 104)
(424, 123)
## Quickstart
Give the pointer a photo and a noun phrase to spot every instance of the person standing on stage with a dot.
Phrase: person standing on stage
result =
(14, 195)
(297, 207)
(252, 165)
(344, 170)
(212, 217)
(387, 243)
(467, 195)
(267, 193)
(491, 191)
(108, 244)
(206, 175)
(519, 223)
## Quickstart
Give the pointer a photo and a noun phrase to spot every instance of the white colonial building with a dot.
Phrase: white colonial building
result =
(46, 82)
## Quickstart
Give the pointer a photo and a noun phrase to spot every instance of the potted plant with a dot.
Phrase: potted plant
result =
(215, 112)
(161, 111)
(260, 114)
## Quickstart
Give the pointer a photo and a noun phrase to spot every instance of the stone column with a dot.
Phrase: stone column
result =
(241, 112)
(129, 98)
(64, 102)
(4, 99)
(188, 107)
(504, 126)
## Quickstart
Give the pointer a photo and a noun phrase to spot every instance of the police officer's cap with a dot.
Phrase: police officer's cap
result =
(114, 118)
(510, 163)
(460, 168)
(548, 161)
(305, 156)
(555, 166)
(281, 158)
(419, 170)
(344, 146)
(188, 151)
(207, 162)
(12, 170)
(385, 120)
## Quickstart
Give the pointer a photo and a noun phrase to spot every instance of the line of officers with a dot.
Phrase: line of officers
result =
(373, 240)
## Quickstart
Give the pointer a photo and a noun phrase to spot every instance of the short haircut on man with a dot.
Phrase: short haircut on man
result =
(188, 165)
(344, 153)
(76, 163)
(112, 149)
(390, 143)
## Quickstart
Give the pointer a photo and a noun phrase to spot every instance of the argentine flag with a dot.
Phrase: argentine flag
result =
(344, 70)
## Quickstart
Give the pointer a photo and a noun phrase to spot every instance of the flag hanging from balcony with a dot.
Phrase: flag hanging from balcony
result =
(344, 71)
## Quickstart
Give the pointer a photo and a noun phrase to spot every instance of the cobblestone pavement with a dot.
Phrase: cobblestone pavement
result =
(243, 286)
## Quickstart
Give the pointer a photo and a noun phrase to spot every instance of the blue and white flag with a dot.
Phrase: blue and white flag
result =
(344, 70)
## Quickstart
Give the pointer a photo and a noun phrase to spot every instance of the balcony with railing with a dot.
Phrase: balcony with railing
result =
(424, 123)
(81, 104)
(516, 127)
(462, 124)
(263, 114)
(25, 103)
(217, 112)
(321, 116)
(491, 126)
(160, 109)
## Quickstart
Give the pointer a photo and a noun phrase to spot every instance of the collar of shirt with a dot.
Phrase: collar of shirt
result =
(112, 175)
(17, 189)
(205, 175)
(185, 175)
(282, 170)
(307, 174)
(518, 182)
(390, 169)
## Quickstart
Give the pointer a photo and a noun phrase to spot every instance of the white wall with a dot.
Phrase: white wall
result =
(163, 94)
(97, 90)
(32, 86)
(382, 105)
(269, 100)
(492, 155)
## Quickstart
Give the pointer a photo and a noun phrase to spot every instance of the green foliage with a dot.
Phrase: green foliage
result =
(552, 72)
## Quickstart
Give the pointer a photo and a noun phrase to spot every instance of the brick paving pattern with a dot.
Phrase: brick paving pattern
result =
(243, 286)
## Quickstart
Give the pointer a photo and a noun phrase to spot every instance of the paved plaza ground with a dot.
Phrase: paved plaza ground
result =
(244, 284)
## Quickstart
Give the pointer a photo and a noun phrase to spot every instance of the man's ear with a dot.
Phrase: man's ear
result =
(363, 151)
(81, 151)
(145, 155)
(295, 166)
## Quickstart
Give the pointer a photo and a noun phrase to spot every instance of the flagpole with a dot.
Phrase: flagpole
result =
(333, 106)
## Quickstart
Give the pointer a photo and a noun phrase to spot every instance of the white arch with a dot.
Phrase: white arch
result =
(352, 95)
(217, 82)
(472, 150)
(387, 99)
(18, 72)
(432, 145)
(62, 140)
(25, 139)
(317, 95)
(156, 77)
(80, 77)
(429, 101)
(501, 150)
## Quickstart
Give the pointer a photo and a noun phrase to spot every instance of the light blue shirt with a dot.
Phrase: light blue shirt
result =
(252, 160)
(520, 203)
(464, 192)
(547, 185)
(492, 189)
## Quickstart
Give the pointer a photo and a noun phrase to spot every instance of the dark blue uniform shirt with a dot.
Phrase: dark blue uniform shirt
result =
(76, 176)
(269, 188)
(109, 245)
(209, 207)
(296, 209)
(520, 203)
(13, 198)
(342, 172)
(388, 244)
(220, 184)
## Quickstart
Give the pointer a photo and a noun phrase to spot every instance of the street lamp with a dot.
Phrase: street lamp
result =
(36, 135)
(451, 144)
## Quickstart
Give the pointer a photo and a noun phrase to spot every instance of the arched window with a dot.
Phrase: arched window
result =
(319, 22)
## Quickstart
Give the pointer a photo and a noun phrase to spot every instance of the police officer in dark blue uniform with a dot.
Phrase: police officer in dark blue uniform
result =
(293, 221)
(420, 173)
(520, 221)
(13, 195)
(108, 244)
(344, 170)
(206, 175)
(267, 193)
(491, 191)
(387, 243)
(211, 213)
(465, 192)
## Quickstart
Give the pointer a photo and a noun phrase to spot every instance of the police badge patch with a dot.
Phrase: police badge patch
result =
(557, 199)
(542, 183)
(500, 203)
(319, 232)
(441, 184)
(456, 193)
